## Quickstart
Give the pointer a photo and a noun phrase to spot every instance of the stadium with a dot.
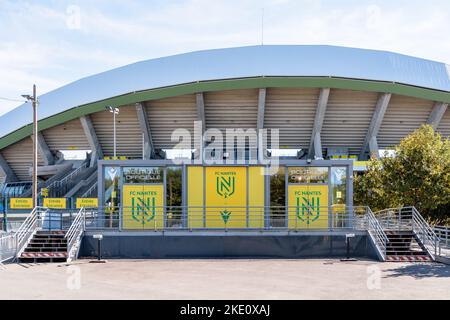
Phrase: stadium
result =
(238, 152)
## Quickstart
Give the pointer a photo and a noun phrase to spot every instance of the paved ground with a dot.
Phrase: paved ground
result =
(225, 279)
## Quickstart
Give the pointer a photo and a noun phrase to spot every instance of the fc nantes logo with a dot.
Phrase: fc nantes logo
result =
(225, 186)
(308, 209)
(143, 209)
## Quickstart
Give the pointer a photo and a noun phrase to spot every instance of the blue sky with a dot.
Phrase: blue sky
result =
(52, 43)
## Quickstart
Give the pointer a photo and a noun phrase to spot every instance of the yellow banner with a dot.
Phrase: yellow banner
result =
(21, 203)
(308, 206)
(256, 189)
(55, 203)
(226, 197)
(87, 203)
(143, 206)
(195, 197)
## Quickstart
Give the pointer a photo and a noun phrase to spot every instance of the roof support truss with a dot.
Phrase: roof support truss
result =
(370, 142)
(44, 150)
(315, 144)
(260, 122)
(91, 136)
(149, 151)
(436, 114)
(7, 171)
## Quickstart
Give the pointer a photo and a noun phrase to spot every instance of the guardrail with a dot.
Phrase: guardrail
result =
(28, 228)
(377, 233)
(409, 219)
(74, 234)
(168, 218)
(444, 235)
(7, 247)
(63, 184)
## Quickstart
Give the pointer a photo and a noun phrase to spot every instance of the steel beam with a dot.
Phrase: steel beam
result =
(436, 114)
(315, 144)
(7, 171)
(149, 151)
(44, 150)
(200, 100)
(260, 123)
(91, 136)
(370, 142)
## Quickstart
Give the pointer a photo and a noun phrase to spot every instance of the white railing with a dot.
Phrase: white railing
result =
(444, 235)
(7, 247)
(74, 235)
(425, 233)
(409, 219)
(28, 228)
(377, 233)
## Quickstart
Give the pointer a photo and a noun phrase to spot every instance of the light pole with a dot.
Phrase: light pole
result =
(114, 111)
(33, 99)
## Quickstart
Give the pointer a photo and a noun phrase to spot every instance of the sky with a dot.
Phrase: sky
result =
(53, 43)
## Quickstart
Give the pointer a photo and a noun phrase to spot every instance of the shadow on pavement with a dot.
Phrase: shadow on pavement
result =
(418, 271)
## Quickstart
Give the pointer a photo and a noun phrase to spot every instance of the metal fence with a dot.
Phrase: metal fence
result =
(232, 218)
(8, 246)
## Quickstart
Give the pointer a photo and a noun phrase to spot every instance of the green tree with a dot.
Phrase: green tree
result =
(418, 175)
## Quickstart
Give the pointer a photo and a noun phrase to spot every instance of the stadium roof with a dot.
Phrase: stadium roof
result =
(267, 65)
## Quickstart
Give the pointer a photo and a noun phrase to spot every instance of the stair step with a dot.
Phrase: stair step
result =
(407, 258)
(46, 249)
(43, 255)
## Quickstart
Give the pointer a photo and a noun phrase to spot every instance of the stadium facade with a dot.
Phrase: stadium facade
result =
(231, 149)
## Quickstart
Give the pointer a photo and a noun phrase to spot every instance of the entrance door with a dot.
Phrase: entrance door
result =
(143, 206)
(308, 198)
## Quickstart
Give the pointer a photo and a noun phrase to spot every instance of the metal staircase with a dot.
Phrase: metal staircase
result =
(409, 237)
(37, 241)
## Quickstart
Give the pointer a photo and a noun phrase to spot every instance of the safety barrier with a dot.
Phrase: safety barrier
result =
(232, 217)
(409, 219)
(28, 228)
(7, 246)
(74, 235)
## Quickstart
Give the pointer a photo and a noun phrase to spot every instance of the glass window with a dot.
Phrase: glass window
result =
(174, 197)
(143, 175)
(111, 195)
(316, 175)
(339, 185)
(278, 198)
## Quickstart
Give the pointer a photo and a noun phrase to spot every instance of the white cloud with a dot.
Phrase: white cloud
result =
(36, 44)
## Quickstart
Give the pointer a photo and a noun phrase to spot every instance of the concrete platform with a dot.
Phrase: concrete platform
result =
(232, 244)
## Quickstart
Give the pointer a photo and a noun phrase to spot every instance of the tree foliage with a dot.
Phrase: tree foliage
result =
(418, 175)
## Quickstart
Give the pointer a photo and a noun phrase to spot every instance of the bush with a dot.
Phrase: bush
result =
(418, 175)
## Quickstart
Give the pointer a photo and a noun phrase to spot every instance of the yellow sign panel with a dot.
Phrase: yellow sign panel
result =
(143, 206)
(55, 203)
(256, 197)
(87, 203)
(44, 192)
(226, 197)
(195, 196)
(21, 203)
(308, 206)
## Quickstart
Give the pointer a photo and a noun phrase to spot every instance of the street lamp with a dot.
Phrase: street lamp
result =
(33, 99)
(114, 111)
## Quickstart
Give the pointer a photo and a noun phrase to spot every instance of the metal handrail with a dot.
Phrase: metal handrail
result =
(90, 190)
(409, 219)
(377, 233)
(73, 235)
(7, 247)
(74, 173)
(425, 233)
(28, 228)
